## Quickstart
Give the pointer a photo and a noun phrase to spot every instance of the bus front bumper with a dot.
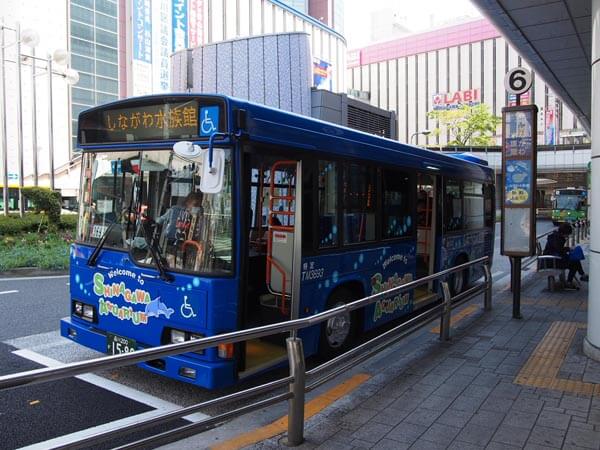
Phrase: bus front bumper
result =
(208, 374)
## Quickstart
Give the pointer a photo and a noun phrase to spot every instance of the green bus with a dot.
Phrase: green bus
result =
(569, 205)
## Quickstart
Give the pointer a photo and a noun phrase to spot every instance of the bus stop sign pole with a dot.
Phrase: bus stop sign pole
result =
(519, 173)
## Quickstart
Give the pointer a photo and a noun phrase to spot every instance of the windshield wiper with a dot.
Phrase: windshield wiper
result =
(156, 257)
(94, 256)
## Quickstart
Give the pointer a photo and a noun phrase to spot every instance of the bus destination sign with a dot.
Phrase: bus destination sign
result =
(152, 122)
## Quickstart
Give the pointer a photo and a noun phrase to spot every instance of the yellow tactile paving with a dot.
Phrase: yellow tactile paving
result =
(455, 318)
(280, 426)
(542, 368)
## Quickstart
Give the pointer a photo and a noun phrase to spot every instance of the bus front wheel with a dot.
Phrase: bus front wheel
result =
(337, 333)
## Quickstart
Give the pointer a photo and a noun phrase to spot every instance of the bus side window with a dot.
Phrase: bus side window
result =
(490, 213)
(397, 213)
(453, 214)
(327, 199)
(360, 203)
(473, 205)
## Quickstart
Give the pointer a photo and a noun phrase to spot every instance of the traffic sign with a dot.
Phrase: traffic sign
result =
(517, 80)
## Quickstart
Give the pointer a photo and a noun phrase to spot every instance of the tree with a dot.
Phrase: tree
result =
(44, 199)
(467, 125)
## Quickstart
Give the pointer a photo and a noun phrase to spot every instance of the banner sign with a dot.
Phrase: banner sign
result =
(164, 48)
(196, 22)
(519, 172)
(180, 25)
(453, 100)
(142, 31)
(525, 99)
(322, 74)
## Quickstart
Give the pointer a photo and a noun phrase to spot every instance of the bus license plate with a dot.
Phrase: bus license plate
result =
(115, 344)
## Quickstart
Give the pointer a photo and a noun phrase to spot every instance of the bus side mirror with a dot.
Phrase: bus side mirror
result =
(211, 181)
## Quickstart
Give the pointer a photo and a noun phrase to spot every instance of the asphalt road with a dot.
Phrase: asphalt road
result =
(30, 311)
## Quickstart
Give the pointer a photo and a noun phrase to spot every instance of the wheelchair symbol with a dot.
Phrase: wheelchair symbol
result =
(207, 126)
(186, 309)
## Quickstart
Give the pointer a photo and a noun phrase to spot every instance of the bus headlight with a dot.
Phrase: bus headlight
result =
(84, 311)
(177, 336)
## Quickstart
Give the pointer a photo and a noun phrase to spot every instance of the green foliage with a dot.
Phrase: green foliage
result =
(467, 125)
(41, 250)
(45, 200)
(13, 225)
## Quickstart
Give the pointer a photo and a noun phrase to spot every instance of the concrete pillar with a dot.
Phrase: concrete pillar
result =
(591, 344)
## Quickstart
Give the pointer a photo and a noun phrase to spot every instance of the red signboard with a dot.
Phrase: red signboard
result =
(452, 100)
(196, 19)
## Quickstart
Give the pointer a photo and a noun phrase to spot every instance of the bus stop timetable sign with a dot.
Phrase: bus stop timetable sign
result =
(519, 173)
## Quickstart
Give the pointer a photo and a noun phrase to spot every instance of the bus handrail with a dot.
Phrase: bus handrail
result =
(298, 372)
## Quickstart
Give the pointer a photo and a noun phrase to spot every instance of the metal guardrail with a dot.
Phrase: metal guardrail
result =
(296, 381)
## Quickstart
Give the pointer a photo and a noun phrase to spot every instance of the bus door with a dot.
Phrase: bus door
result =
(272, 255)
(426, 235)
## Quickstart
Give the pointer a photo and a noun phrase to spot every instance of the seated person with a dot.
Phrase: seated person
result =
(556, 246)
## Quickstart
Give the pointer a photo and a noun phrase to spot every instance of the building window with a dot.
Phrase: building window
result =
(453, 215)
(397, 210)
(328, 195)
(359, 193)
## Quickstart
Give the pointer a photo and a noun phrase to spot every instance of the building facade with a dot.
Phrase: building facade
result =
(440, 69)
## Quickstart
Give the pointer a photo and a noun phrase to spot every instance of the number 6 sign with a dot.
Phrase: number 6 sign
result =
(517, 80)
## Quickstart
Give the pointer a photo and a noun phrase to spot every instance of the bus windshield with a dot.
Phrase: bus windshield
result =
(150, 200)
(568, 202)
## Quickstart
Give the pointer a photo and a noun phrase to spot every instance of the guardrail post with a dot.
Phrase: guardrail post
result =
(578, 225)
(295, 351)
(487, 296)
(446, 312)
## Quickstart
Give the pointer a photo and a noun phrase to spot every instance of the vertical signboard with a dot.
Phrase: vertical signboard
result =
(161, 33)
(519, 148)
(180, 25)
(322, 74)
(142, 31)
(196, 22)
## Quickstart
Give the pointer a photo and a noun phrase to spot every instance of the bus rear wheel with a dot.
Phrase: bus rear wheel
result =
(338, 333)
(458, 280)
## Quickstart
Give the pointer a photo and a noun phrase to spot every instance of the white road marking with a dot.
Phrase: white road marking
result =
(73, 437)
(495, 274)
(112, 386)
(47, 277)
(8, 292)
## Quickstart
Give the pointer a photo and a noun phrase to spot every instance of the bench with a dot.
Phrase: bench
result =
(551, 262)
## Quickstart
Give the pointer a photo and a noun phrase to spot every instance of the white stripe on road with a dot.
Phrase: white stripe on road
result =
(8, 292)
(495, 274)
(47, 277)
(112, 386)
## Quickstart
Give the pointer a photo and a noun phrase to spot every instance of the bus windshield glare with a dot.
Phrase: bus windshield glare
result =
(153, 201)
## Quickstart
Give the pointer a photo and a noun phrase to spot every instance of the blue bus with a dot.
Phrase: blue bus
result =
(205, 214)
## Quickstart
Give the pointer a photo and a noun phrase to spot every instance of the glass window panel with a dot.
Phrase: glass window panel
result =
(82, 31)
(106, 85)
(473, 212)
(82, 64)
(106, 69)
(328, 194)
(106, 53)
(453, 216)
(77, 109)
(106, 38)
(85, 81)
(86, 3)
(106, 7)
(359, 203)
(106, 22)
(83, 95)
(397, 211)
(82, 14)
(105, 98)
(490, 213)
(82, 47)
(471, 187)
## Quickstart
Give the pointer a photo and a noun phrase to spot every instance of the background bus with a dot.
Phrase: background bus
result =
(569, 205)
(295, 217)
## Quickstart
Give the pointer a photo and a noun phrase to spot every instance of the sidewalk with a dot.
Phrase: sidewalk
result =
(499, 384)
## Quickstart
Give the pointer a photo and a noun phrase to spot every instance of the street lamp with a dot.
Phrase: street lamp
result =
(424, 133)
(60, 57)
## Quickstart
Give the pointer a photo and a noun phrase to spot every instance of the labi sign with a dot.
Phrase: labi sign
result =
(453, 100)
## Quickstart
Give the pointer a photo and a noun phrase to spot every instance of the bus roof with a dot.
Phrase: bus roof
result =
(274, 126)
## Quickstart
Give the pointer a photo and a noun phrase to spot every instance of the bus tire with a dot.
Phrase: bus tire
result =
(458, 281)
(338, 333)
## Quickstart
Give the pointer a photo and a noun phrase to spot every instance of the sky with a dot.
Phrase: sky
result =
(417, 15)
